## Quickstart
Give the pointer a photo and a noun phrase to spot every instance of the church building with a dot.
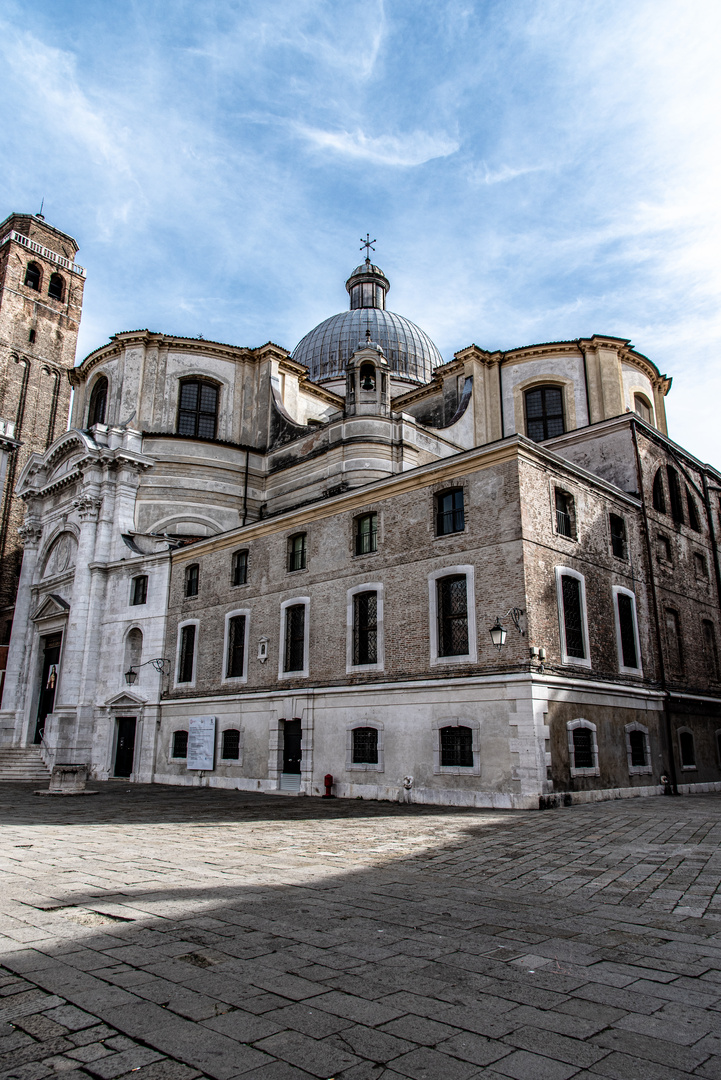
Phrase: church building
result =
(488, 582)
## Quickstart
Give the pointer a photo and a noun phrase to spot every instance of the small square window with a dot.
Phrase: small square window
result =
(191, 580)
(297, 552)
(239, 568)
(139, 590)
(366, 536)
(700, 565)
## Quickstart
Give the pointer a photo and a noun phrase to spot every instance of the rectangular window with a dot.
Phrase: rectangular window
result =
(457, 747)
(673, 642)
(627, 630)
(139, 590)
(637, 742)
(187, 654)
(564, 513)
(365, 746)
(294, 638)
(236, 648)
(618, 536)
(449, 512)
(365, 628)
(366, 537)
(583, 756)
(180, 744)
(544, 413)
(191, 580)
(663, 548)
(674, 490)
(297, 552)
(452, 615)
(239, 568)
(700, 565)
(709, 648)
(573, 616)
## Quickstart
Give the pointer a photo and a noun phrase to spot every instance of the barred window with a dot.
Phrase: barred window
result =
(627, 630)
(187, 654)
(230, 748)
(365, 628)
(180, 744)
(457, 746)
(294, 638)
(583, 756)
(452, 602)
(235, 662)
(688, 750)
(659, 496)
(709, 649)
(33, 276)
(639, 756)
(192, 573)
(544, 413)
(573, 616)
(297, 552)
(239, 568)
(365, 746)
(139, 590)
(449, 512)
(564, 513)
(98, 402)
(198, 409)
(366, 537)
(618, 536)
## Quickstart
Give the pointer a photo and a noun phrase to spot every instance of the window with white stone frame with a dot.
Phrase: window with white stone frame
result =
(572, 617)
(638, 749)
(582, 748)
(687, 750)
(452, 615)
(235, 646)
(364, 746)
(364, 628)
(185, 654)
(457, 746)
(627, 641)
(293, 646)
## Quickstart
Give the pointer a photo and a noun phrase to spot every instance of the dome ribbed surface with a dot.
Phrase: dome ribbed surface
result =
(409, 351)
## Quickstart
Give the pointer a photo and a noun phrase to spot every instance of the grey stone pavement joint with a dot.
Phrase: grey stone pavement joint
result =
(160, 933)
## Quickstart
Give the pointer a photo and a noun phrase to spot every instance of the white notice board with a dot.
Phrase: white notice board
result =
(201, 742)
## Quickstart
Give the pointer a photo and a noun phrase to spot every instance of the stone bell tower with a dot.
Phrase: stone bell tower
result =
(41, 296)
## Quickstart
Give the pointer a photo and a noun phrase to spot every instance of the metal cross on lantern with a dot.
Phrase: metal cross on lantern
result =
(368, 245)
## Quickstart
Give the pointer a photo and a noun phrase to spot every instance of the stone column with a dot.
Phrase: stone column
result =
(21, 640)
(87, 506)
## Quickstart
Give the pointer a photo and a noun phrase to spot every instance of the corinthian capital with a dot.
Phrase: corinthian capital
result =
(30, 533)
(87, 506)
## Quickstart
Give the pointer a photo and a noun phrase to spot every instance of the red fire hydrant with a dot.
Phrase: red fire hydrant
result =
(328, 781)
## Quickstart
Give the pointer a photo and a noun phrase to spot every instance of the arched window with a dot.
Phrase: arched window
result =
(659, 496)
(692, 512)
(457, 746)
(674, 490)
(638, 750)
(98, 402)
(643, 408)
(367, 377)
(56, 287)
(180, 744)
(688, 751)
(198, 408)
(365, 746)
(33, 276)
(544, 413)
(230, 750)
(133, 649)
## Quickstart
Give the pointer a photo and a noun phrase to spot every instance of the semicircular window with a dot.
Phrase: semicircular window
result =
(198, 409)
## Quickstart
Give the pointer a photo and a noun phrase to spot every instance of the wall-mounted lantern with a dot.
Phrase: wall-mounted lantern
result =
(498, 631)
(158, 663)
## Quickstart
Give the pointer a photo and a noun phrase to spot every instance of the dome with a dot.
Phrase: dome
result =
(409, 351)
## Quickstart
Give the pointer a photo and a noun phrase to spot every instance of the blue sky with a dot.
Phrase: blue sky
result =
(533, 171)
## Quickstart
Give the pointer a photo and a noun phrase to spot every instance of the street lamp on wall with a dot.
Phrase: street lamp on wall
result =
(498, 631)
(158, 663)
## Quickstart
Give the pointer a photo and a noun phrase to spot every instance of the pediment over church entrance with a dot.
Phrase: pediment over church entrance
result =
(50, 607)
(125, 700)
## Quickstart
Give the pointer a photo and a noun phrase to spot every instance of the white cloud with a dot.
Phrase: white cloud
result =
(415, 148)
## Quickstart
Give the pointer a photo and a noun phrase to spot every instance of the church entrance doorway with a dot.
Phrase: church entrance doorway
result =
(48, 682)
(292, 755)
(125, 749)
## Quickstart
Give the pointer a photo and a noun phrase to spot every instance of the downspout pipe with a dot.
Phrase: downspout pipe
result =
(656, 616)
(245, 488)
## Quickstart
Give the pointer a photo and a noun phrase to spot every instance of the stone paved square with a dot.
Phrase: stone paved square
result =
(193, 934)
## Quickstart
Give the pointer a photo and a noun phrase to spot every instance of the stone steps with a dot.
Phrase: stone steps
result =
(22, 764)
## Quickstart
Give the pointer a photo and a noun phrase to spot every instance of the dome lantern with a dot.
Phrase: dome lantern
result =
(367, 287)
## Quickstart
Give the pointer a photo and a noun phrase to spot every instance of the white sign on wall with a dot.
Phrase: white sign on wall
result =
(201, 743)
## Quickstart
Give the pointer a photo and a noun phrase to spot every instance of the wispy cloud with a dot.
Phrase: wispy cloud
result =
(413, 148)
